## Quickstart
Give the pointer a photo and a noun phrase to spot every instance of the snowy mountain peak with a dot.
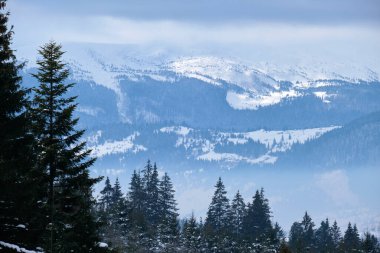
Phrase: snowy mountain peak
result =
(215, 69)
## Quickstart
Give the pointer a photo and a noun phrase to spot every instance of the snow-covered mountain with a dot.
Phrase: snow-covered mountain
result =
(210, 109)
(251, 85)
(280, 126)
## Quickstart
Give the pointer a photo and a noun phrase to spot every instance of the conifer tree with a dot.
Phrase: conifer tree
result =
(63, 158)
(218, 219)
(323, 238)
(168, 222)
(296, 243)
(117, 194)
(218, 212)
(351, 239)
(153, 192)
(276, 237)
(19, 183)
(257, 225)
(301, 237)
(104, 206)
(146, 183)
(191, 235)
(137, 223)
(105, 200)
(136, 193)
(238, 213)
(370, 244)
(308, 231)
(151, 207)
(336, 236)
(117, 218)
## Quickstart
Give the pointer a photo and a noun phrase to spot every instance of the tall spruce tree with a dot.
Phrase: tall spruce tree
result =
(218, 220)
(63, 158)
(19, 184)
(323, 238)
(105, 200)
(336, 236)
(153, 192)
(151, 207)
(146, 183)
(257, 224)
(136, 193)
(351, 239)
(117, 218)
(301, 236)
(103, 211)
(117, 194)
(137, 223)
(238, 213)
(112, 213)
(191, 235)
(296, 243)
(370, 244)
(168, 216)
(218, 214)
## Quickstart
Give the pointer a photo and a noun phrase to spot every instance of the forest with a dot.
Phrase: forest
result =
(145, 219)
(47, 201)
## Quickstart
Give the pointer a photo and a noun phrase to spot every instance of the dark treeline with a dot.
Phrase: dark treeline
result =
(46, 202)
(145, 219)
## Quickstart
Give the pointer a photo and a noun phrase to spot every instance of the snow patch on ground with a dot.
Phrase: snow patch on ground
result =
(203, 148)
(213, 69)
(102, 245)
(92, 111)
(115, 147)
(231, 157)
(244, 101)
(324, 96)
(278, 141)
(179, 130)
(306, 73)
(17, 248)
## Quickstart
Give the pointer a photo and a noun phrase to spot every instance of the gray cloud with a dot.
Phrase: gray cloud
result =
(292, 11)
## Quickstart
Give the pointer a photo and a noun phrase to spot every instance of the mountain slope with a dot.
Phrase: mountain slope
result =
(357, 144)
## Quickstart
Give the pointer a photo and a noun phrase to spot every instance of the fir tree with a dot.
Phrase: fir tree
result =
(117, 218)
(351, 239)
(105, 200)
(117, 198)
(218, 218)
(238, 212)
(296, 243)
(19, 183)
(370, 244)
(323, 238)
(301, 236)
(153, 192)
(336, 236)
(276, 237)
(63, 158)
(168, 223)
(257, 224)
(308, 231)
(104, 206)
(151, 206)
(137, 223)
(136, 193)
(191, 235)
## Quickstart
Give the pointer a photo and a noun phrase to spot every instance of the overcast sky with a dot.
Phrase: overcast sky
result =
(240, 27)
